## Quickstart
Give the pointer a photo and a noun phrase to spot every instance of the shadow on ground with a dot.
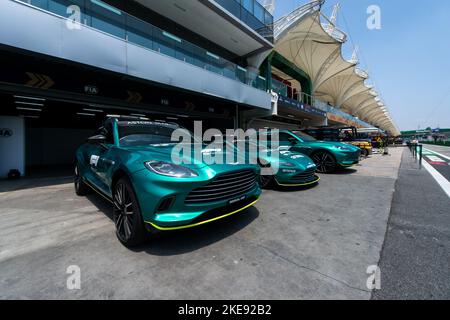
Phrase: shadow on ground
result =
(184, 241)
(343, 171)
(30, 183)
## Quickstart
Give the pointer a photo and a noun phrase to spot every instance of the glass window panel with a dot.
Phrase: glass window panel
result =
(184, 52)
(43, 4)
(63, 8)
(107, 18)
(268, 19)
(248, 5)
(259, 12)
(140, 32)
(232, 6)
(241, 74)
(199, 57)
(163, 44)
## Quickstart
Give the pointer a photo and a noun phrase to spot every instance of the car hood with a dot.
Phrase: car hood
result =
(190, 159)
(301, 161)
(330, 145)
(282, 154)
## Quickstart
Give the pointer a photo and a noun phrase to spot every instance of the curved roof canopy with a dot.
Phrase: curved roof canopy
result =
(316, 48)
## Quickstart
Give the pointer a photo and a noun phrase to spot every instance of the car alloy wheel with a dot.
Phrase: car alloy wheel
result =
(325, 162)
(365, 153)
(124, 215)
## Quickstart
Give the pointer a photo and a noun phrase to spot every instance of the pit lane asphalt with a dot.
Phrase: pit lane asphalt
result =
(443, 167)
(311, 243)
(416, 254)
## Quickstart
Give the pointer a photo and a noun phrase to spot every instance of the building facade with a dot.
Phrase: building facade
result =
(68, 63)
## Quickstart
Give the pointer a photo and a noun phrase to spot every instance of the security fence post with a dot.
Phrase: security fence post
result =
(420, 156)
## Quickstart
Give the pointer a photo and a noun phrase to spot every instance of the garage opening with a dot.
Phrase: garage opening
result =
(53, 129)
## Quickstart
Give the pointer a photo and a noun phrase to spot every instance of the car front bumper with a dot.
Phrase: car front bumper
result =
(181, 215)
(348, 159)
(290, 178)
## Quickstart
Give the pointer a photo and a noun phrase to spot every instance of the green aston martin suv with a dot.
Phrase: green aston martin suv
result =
(129, 163)
(328, 156)
(283, 167)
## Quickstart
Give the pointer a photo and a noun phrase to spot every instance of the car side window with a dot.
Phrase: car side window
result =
(286, 138)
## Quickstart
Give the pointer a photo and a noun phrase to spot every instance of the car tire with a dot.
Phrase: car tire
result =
(325, 162)
(81, 188)
(130, 229)
(365, 153)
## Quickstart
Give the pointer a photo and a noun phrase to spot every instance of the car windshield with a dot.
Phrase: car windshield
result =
(138, 133)
(303, 136)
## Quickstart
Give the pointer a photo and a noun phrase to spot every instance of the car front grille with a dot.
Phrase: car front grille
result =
(225, 187)
(354, 156)
(305, 177)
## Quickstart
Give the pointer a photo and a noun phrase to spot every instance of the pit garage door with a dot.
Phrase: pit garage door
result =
(54, 128)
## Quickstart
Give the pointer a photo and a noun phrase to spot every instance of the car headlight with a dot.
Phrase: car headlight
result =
(342, 148)
(170, 169)
(287, 164)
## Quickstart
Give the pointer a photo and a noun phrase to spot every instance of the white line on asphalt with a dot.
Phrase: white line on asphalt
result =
(443, 183)
(441, 155)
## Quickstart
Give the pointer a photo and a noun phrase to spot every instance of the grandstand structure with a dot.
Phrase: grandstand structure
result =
(312, 42)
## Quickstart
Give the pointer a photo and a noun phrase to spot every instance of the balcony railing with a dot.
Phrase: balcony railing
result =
(253, 14)
(290, 92)
(106, 18)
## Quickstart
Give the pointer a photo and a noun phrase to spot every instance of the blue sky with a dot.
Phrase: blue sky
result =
(408, 59)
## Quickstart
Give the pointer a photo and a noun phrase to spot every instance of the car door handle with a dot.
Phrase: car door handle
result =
(108, 162)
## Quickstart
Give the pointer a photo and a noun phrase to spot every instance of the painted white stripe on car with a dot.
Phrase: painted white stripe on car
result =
(443, 183)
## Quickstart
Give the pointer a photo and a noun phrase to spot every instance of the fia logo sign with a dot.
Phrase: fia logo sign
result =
(5, 133)
(91, 89)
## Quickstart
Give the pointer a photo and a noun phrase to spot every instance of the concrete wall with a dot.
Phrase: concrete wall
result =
(12, 145)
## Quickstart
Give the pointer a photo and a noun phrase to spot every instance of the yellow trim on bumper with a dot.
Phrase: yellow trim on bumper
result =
(298, 185)
(201, 223)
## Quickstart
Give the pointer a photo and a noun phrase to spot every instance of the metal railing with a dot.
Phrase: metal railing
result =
(417, 152)
(290, 92)
(101, 16)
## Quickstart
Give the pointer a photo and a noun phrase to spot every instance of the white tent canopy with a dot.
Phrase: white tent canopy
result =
(316, 48)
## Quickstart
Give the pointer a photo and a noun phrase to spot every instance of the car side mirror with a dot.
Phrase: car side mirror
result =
(99, 139)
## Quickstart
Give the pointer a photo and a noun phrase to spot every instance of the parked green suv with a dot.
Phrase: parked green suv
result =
(293, 169)
(129, 162)
(328, 156)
